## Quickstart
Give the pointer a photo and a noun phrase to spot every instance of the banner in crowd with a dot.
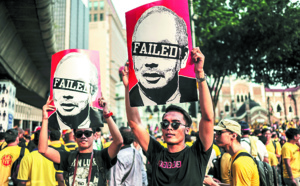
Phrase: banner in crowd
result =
(159, 44)
(75, 89)
(7, 104)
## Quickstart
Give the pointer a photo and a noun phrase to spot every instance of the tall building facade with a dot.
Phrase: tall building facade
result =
(107, 36)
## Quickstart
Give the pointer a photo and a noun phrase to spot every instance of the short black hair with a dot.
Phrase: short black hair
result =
(127, 135)
(36, 137)
(291, 133)
(11, 135)
(2, 135)
(186, 116)
(263, 139)
(245, 132)
(265, 130)
(55, 135)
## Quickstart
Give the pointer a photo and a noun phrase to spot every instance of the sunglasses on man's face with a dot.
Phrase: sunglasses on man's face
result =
(98, 130)
(174, 125)
(87, 133)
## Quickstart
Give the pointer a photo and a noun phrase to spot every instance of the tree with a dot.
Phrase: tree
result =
(254, 39)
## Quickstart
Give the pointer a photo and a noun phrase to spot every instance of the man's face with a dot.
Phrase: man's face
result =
(70, 102)
(156, 72)
(223, 138)
(84, 141)
(268, 135)
(170, 135)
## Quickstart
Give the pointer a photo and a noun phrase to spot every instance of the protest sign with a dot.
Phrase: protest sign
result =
(75, 89)
(159, 44)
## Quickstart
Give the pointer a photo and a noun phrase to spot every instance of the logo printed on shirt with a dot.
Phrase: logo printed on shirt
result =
(6, 160)
(169, 165)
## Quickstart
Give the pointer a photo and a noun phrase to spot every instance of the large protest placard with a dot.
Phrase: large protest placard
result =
(75, 89)
(159, 44)
(7, 104)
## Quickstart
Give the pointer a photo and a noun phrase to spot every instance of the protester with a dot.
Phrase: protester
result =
(86, 163)
(252, 144)
(97, 144)
(129, 169)
(70, 140)
(36, 169)
(178, 164)
(243, 168)
(9, 155)
(291, 158)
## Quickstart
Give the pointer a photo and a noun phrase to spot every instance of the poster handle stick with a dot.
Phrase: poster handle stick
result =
(192, 23)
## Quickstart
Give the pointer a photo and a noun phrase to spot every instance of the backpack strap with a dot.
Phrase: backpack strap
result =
(22, 152)
(239, 155)
(127, 174)
(274, 144)
(100, 165)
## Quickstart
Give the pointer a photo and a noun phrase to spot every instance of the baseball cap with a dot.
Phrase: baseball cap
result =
(244, 126)
(230, 125)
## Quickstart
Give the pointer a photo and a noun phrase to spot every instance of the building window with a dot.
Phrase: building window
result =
(96, 5)
(101, 5)
(290, 109)
(90, 5)
(95, 17)
(226, 108)
(238, 98)
(246, 98)
(242, 98)
(278, 108)
(101, 17)
(90, 17)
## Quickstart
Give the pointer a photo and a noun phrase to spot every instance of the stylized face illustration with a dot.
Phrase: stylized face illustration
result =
(156, 72)
(71, 86)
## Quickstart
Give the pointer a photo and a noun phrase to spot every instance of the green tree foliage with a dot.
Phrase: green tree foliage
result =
(257, 39)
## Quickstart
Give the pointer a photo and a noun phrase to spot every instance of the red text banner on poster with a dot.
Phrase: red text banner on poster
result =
(75, 88)
(159, 44)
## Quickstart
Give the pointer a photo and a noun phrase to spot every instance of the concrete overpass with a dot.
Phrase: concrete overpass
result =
(27, 42)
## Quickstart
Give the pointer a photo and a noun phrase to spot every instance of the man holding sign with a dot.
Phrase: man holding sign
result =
(178, 164)
(159, 50)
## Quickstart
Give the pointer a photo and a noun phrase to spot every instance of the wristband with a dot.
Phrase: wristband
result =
(201, 79)
(107, 115)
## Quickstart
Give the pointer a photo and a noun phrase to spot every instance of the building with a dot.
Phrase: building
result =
(108, 37)
(244, 100)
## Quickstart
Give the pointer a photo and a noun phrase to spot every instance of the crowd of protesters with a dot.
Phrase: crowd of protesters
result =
(228, 153)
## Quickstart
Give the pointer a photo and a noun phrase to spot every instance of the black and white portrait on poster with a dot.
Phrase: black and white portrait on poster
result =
(75, 84)
(158, 46)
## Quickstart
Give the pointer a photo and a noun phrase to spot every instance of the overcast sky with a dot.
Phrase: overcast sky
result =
(123, 6)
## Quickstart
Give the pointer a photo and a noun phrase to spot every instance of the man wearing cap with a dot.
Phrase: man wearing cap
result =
(9, 155)
(243, 168)
(252, 144)
(177, 164)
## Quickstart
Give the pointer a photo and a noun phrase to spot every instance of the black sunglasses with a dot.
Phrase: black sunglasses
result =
(98, 130)
(87, 133)
(220, 132)
(174, 125)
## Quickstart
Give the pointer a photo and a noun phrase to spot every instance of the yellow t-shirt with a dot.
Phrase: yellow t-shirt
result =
(225, 168)
(2, 145)
(292, 152)
(107, 144)
(270, 147)
(37, 169)
(217, 150)
(244, 171)
(189, 143)
(273, 161)
(7, 157)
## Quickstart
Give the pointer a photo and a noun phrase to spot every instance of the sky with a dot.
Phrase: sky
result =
(123, 6)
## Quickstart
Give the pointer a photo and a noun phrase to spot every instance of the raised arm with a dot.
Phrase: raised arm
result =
(206, 125)
(49, 153)
(115, 146)
(133, 116)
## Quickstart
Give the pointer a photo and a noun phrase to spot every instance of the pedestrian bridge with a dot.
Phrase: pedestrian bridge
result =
(27, 43)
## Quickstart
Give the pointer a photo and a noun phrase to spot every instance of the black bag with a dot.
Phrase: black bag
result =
(15, 167)
(265, 171)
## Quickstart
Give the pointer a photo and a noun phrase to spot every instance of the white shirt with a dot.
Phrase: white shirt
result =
(261, 148)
